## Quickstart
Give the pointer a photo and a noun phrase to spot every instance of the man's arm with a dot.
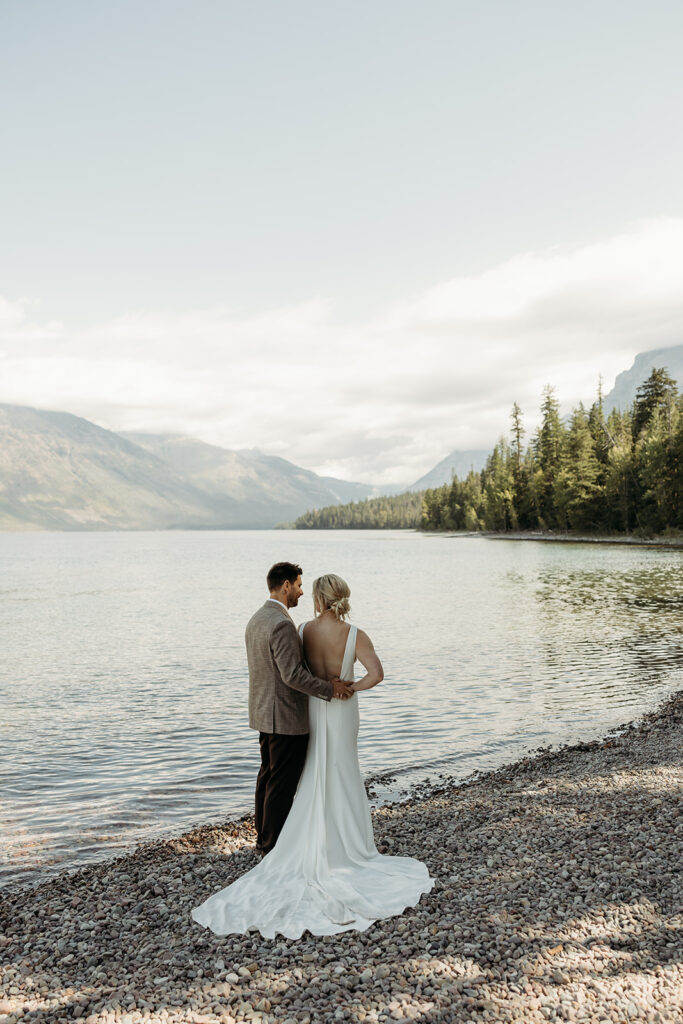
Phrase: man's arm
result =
(284, 644)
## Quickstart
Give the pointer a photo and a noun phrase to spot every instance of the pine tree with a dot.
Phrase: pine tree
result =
(584, 490)
(498, 486)
(656, 461)
(549, 452)
(657, 392)
(620, 480)
(520, 476)
(517, 435)
(676, 451)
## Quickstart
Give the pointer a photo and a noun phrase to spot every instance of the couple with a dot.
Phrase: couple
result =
(320, 868)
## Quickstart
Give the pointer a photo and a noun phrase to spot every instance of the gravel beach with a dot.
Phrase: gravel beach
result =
(559, 897)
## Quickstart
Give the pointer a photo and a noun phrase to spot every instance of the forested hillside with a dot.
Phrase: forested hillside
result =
(400, 512)
(592, 473)
(622, 473)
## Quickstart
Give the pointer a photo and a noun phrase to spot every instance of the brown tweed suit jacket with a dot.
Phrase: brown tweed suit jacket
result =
(279, 683)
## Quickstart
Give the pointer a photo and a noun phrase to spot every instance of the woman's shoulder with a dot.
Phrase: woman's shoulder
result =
(310, 629)
(362, 638)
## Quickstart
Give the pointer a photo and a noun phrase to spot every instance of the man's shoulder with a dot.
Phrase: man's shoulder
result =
(260, 615)
(267, 617)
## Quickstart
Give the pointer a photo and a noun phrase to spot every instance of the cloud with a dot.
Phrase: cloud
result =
(382, 400)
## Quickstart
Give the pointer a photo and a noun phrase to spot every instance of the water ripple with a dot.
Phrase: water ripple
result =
(124, 679)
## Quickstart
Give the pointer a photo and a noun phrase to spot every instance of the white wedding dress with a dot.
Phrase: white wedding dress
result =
(324, 874)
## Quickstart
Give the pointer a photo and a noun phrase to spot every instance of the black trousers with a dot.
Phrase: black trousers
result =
(282, 761)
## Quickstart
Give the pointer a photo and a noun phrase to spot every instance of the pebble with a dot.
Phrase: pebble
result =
(559, 897)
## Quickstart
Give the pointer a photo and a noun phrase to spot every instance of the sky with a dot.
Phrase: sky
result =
(348, 234)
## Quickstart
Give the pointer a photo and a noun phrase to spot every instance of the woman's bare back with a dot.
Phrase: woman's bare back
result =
(324, 645)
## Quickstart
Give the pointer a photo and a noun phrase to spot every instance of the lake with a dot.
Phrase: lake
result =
(124, 688)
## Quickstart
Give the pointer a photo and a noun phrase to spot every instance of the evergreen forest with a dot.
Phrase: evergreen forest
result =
(398, 512)
(585, 474)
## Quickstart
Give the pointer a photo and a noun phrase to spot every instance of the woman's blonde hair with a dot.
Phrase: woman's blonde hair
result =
(331, 592)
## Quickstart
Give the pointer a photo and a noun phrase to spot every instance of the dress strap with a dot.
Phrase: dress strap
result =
(349, 654)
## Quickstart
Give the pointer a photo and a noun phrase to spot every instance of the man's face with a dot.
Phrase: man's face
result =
(293, 592)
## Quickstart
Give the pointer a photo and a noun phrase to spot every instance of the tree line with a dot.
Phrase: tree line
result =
(398, 512)
(589, 473)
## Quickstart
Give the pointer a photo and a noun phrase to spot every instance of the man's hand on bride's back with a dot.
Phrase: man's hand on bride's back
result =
(342, 689)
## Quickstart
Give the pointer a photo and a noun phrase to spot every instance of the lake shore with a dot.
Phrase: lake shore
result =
(559, 896)
(566, 538)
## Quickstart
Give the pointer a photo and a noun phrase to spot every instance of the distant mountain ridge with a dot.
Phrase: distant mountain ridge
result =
(623, 394)
(62, 472)
(458, 462)
(627, 383)
(262, 482)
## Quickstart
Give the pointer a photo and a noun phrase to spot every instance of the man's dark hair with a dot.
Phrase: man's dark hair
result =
(280, 572)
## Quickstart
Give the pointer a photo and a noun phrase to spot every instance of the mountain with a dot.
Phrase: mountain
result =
(458, 462)
(62, 472)
(268, 489)
(624, 391)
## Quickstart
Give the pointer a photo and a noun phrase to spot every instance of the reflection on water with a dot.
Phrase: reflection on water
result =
(629, 622)
(124, 687)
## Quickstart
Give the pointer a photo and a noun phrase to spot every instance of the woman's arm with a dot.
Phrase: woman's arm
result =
(365, 653)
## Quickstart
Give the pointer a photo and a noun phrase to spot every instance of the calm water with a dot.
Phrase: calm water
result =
(123, 675)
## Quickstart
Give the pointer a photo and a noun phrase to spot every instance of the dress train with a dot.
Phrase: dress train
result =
(324, 874)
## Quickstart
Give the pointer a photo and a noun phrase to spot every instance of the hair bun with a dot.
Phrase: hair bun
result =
(341, 607)
(332, 592)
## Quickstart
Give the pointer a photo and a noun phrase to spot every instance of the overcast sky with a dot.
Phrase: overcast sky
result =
(351, 234)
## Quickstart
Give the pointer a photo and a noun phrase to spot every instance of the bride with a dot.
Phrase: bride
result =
(324, 874)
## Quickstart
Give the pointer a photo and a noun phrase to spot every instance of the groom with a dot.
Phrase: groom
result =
(279, 685)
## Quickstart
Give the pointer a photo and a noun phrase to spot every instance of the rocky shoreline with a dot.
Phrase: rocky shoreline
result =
(628, 540)
(559, 897)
